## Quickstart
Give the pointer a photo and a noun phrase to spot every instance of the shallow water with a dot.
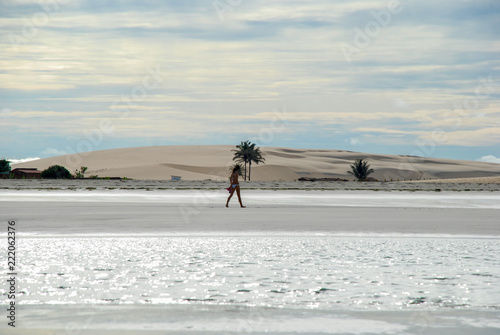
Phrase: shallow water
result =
(323, 272)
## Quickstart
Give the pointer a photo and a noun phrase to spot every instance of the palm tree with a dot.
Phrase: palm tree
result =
(255, 156)
(241, 154)
(247, 153)
(360, 169)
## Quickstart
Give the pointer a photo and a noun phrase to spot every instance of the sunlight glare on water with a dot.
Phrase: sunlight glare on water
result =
(372, 273)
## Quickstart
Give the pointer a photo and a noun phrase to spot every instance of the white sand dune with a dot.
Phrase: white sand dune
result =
(212, 162)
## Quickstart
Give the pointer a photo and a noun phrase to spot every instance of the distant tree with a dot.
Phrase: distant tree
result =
(4, 165)
(360, 169)
(241, 155)
(56, 172)
(81, 174)
(256, 157)
(246, 152)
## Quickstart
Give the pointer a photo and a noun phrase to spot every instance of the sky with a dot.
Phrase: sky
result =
(396, 77)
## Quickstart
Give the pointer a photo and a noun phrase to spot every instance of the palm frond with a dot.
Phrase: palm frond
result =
(360, 169)
(247, 152)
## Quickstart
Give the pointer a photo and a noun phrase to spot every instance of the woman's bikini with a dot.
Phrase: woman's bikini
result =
(235, 179)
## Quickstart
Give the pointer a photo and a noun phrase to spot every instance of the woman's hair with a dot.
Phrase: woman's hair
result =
(236, 168)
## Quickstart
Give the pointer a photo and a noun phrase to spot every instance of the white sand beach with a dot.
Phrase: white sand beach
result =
(172, 211)
(282, 164)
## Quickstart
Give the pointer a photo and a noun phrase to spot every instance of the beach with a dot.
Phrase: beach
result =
(174, 211)
(105, 259)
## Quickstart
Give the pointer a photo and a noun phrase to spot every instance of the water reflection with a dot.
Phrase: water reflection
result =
(324, 272)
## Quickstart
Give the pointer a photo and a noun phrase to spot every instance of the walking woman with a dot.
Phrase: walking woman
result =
(235, 185)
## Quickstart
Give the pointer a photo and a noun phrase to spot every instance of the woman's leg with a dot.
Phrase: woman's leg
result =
(230, 196)
(239, 196)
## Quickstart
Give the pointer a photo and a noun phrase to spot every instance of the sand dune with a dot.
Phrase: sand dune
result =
(212, 162)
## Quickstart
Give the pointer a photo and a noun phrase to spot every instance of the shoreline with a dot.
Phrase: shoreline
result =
(458, 185)
(99, 319)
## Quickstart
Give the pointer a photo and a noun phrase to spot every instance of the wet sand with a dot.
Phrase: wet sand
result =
(189, 319)
(460, 185)
(188, 211)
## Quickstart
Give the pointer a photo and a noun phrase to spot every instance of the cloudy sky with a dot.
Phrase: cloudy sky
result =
(395, 77)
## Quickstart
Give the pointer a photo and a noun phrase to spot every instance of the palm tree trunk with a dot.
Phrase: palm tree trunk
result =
(245, 170)
(249, 169)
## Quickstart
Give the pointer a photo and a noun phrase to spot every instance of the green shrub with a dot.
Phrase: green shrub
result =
(80, 174)
(4, 165)
(56, 172)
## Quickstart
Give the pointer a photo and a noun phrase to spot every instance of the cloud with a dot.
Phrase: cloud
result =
(489, 159)
(53, 152)
(486, 136)
(4, 113)
(353, 140)
(399, 103)
(22, 160)
(223, 77)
